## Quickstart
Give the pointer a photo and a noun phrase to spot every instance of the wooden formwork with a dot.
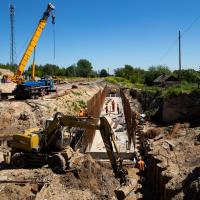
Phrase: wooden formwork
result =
(94, 106)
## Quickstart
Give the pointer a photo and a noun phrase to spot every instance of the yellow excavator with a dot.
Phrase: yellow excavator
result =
(48, 146)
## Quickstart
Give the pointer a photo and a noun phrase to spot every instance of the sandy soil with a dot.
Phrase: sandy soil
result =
(6, 72)
(177, 147)
(19, 115)
(93, 181)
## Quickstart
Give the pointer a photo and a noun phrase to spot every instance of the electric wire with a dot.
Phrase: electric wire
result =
(187, 29)
(191, 25)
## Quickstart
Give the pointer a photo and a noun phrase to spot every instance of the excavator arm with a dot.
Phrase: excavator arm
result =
(60, 120)
(54, 127)
(17, 78)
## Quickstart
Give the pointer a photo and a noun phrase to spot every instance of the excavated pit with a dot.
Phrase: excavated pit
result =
(171, 152)
(93, 180)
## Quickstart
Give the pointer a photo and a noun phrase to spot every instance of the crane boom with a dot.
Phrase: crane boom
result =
(32, 44)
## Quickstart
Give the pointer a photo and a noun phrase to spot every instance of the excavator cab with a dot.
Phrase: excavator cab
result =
(60, 137)
(28, 141)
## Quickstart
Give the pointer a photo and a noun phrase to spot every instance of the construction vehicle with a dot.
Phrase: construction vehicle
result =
(32, 89)
(49, 146)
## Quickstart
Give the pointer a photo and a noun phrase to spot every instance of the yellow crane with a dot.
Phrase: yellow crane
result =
(17, 78)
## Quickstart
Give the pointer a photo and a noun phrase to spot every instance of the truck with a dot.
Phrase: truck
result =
(33, 89)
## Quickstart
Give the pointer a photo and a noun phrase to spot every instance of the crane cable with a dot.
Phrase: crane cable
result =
(54, 36)
(54, 42)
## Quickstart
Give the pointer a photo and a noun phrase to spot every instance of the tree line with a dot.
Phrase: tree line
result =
(84, 68)
(138, 75)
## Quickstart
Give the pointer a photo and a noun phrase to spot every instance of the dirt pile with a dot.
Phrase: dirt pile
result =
(93, 176)
(93, 180)
(19, 115)
(6, 72)
(7, 87)
(17, 192)
(174, 159)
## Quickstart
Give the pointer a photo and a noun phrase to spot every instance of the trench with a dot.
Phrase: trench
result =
(160, 181)
(154, 186)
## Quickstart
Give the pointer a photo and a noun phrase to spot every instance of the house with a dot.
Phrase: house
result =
(166, 80)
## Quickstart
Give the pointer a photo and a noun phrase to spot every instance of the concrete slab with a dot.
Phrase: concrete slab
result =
(117, 121)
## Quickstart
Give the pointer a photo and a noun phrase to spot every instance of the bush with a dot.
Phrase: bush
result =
(183, 88)
(119, 81)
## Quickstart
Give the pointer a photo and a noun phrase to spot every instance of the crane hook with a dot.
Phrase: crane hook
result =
(53, 19)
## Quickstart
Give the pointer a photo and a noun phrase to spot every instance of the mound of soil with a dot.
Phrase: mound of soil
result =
(92, 176)
(92, 180)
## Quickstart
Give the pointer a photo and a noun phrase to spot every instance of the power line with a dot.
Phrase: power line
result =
(187, 29)
(169, 49)
(191, 25)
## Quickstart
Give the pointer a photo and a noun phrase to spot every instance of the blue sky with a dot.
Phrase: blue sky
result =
(109, 33)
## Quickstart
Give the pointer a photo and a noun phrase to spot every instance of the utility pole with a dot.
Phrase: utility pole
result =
(179, 73)
(12, 35)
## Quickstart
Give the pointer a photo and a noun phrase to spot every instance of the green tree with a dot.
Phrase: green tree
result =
(61, 71)
(94, 74)
(51, 70)
(9, 67)
(84, 68)
(119, 72)
(131, 73)
(71, 71)
(155, 71)
(189, 75)
(103, 73)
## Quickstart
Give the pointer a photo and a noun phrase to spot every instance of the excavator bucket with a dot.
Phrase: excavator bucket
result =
(127, 191)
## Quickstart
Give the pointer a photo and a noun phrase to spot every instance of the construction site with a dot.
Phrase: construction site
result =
(83, 139)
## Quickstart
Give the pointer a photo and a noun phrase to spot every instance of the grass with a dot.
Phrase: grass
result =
(78, 105)
(78, 78)
(119, 81)
(183, 88)
(82, 103)
(76, 93)
(75, 106)
(175, 90)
